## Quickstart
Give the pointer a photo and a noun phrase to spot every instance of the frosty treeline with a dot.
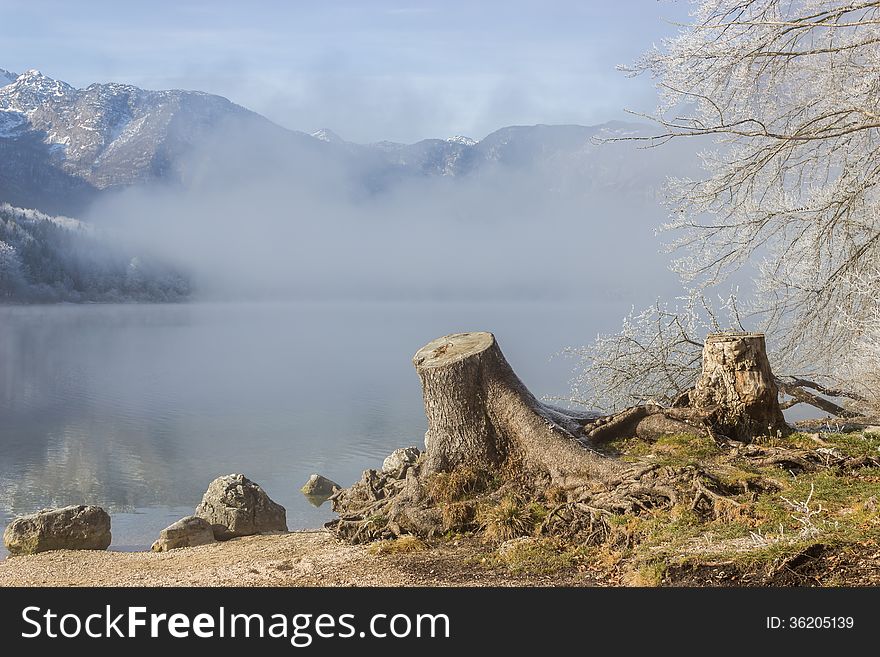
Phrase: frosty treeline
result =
(789, 92)
(44, 258)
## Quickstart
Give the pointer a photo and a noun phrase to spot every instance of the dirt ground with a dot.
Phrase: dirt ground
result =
(315, 558)
(312, 558)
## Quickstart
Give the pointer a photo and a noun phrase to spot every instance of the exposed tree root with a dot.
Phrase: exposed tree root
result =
(493, 449)
(648, 422)
(806, 460)
(383, 505)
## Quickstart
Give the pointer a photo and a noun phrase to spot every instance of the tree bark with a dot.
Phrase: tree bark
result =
(737, 383)
(480, 414)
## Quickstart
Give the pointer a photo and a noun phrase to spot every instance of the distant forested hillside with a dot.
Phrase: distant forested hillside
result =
(44, 259)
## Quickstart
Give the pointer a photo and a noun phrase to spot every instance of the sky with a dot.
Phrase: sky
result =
(399, 70)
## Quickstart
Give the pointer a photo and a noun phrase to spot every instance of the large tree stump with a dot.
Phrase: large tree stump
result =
(480, 414)
(738, 384)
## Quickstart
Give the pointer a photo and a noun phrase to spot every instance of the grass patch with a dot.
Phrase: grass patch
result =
(537, 556)
(688, 447)
(775, 517)
(822, 507)
(793, 440)
(769, 517)
(453, 491)
(855, 444)
(676, 450)
(510, 518)
(648, 575)
(401, 545)
(458, 516)
(838, 495)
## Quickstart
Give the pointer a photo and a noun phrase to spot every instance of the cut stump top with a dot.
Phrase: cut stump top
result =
(732, 336)
(452, 348)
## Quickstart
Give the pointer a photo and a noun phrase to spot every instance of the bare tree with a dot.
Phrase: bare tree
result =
(790, 93)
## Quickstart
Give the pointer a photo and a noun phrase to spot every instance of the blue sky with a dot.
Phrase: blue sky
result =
(370, 70)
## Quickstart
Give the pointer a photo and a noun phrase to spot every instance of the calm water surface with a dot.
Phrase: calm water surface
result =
(138, 407)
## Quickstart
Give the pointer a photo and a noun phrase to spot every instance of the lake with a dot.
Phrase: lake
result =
(137, 408)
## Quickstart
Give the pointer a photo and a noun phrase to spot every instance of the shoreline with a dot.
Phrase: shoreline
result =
(305, 558)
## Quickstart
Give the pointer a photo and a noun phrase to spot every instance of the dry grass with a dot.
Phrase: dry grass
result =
(459, 484)
(401, 545)
(778, 515)
(458, 516)
(647, 575)
(510, 518)
(538, 556)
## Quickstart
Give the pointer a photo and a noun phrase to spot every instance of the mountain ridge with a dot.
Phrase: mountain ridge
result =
(62, 147)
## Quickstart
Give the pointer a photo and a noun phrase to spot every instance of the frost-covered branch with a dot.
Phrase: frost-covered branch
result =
(656, 356)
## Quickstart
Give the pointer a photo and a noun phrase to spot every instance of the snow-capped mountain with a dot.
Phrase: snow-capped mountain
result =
(60, 144)
(110, 134)
(188, 154)
(586, 156)
(6, 77)
(61, 147)
(461, 139)
(325, 134)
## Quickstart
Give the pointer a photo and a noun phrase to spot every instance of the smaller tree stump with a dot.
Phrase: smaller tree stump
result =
(738, 385)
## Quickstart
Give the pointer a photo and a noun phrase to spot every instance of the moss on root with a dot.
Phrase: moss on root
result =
(727, 508)
(776, 516)
(772, 515)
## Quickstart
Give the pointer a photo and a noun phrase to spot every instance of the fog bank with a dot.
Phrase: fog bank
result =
(257, 217)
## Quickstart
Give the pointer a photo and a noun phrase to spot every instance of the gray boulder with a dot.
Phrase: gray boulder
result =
(236, 506)
(399, 460)
(68, 528)
(186, 532)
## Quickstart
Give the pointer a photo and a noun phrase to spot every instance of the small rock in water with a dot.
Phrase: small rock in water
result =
(319, 486)
(186, 532)
(236, 506)
(68, 528)
(399, 460)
